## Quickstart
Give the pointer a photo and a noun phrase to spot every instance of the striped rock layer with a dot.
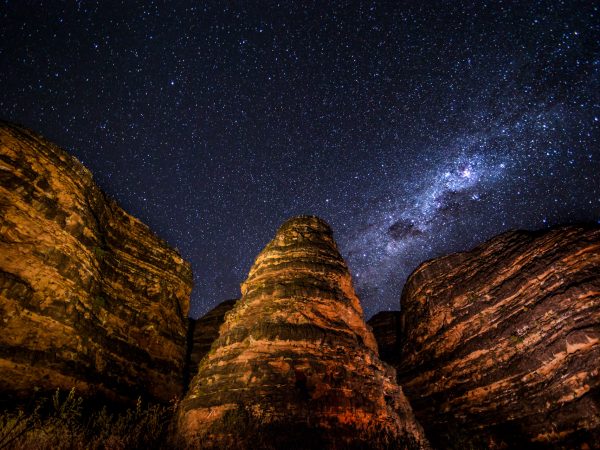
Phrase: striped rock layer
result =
(202, 332)
(295, 364)
(89, 297)
(502, 343)
(386, 329)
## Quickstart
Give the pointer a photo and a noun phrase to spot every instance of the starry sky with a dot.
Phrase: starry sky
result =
(415, 128)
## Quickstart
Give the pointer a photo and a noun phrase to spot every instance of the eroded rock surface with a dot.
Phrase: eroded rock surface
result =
(89, 297)
(502, 343)
(202, 332)
(295, 365)
(386, 329)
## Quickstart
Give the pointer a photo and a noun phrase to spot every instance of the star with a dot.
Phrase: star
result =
(413, 131)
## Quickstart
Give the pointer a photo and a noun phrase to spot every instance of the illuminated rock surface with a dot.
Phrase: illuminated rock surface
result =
(202, 332)
(89, 296)
(295, 365)
(498, 347)
(502, 343)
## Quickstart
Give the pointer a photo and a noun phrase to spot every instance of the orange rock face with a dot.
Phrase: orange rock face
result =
(201, 335)
(295, 364)
(502, 343)
(89, 296)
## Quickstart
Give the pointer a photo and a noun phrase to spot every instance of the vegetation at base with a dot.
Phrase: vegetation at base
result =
(65, 421)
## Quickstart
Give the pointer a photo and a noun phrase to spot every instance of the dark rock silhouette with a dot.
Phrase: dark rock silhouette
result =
(386, 329)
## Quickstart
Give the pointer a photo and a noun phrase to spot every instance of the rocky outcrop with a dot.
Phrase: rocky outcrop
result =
(89, 297)
(202, 333)
(386, 329)
(501, 345)
(295, 364)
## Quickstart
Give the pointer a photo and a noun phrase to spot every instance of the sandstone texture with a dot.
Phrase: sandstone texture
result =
(89, 297)
(295, 365)
(386, 329)
(202, 332)
(501, 345)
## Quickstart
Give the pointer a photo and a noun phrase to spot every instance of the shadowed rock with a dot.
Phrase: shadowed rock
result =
(295, 365)
(89, 297)
(202, 332)
(502, 343)
(386, 329)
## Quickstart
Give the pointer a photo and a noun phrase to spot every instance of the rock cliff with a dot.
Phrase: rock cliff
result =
(295, 364)
(501, 345)
(202, 333)
(386, 329)
(89, 296)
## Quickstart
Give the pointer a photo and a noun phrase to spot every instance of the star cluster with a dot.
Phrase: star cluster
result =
(414, 128)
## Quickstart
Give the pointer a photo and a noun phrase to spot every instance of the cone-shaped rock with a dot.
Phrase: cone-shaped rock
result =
(295, 364)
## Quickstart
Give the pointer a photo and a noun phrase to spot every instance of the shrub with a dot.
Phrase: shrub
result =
(68, 422)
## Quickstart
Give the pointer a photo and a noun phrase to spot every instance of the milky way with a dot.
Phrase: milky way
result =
(414, 128)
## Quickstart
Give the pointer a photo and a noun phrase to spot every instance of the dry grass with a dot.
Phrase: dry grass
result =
(64, 421)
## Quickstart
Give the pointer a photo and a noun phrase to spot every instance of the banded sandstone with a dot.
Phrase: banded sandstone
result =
(502, 343)
(89, 297)
(295, 364)
(202, 332)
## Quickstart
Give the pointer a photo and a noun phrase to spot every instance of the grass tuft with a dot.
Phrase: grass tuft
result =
(65, 421)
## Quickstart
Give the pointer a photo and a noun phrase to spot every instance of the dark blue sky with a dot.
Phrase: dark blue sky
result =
(413, 128)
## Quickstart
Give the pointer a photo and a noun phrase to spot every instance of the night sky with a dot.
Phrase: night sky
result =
(415, 128)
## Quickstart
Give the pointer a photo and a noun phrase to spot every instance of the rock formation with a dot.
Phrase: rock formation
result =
(498, 347)
(89, 297)
(295, 365)
(202, 333)
(386, 329)
(502, 344)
